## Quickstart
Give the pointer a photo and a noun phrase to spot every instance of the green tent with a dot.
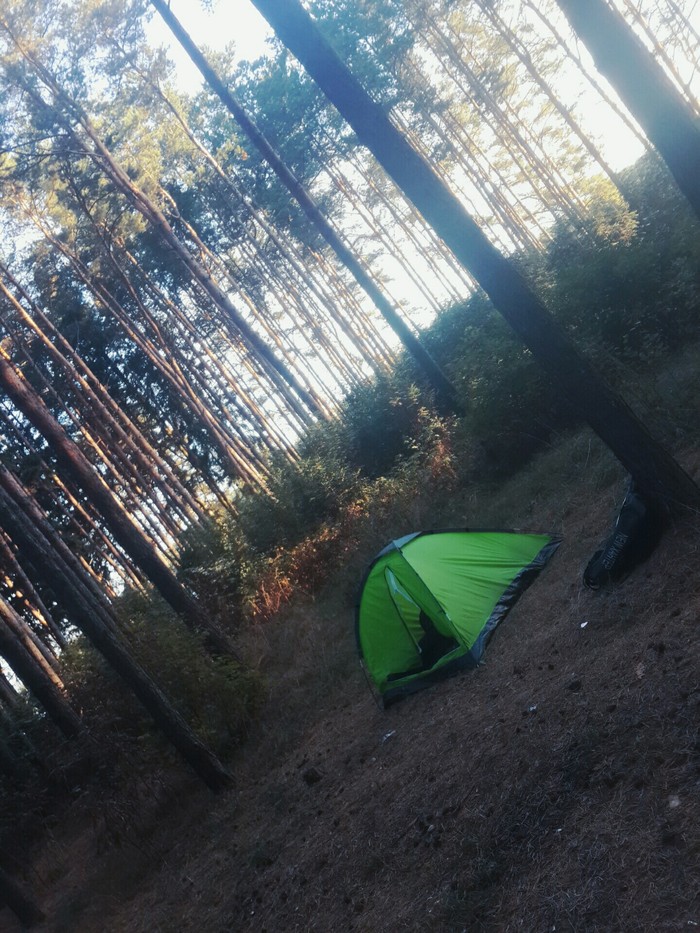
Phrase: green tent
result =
(431, 600)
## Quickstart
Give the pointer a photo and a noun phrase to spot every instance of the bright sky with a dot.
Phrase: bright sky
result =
(227, 21)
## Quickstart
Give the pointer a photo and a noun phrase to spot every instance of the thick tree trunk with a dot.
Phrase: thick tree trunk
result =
(56, 574)
(587, 74)
(666, 117)
(655, 470)
(663, 55)
(432, 371)
(120, 523)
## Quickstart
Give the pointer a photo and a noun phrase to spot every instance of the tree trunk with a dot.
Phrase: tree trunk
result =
(32, 599)
(666, 117)
(661, 53)
(120, 523)
(432, 371)
(585, 72)
(31, 643)
(8, 694)
(564, 112)
(56, 574)
(656, 472)
(34, 677)
(78, 575)
(127, 443)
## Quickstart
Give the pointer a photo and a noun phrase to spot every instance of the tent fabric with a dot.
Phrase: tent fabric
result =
(431, 600)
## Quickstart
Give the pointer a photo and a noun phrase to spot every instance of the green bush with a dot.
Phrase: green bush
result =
(216, 696)
(633, 293)
(300, 496)
(215, 562)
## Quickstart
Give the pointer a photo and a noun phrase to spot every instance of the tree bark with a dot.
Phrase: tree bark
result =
(665, 116)
(663, 55)
(656, 472)
(32, 599)
(586, 73)
(77, 572)
(31, 643)
(8, 694)
(490, 10)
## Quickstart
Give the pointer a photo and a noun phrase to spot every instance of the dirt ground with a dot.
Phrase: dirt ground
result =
(555, 788)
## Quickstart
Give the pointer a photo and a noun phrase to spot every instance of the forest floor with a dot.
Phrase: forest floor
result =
(557, 787)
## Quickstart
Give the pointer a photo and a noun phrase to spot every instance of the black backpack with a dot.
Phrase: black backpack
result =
(636, 534)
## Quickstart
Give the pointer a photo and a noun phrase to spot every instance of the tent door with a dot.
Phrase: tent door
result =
(429, 642)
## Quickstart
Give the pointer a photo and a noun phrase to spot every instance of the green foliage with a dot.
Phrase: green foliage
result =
(378, 421)
(223, 560)
(301, 496)
(216, 696)
(631, 289)
(511, 409)
(215, 561)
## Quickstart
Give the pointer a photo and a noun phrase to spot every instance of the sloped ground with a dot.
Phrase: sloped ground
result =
(555, 788)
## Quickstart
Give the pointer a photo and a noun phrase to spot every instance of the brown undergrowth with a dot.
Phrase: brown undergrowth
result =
(555, 788)
(379, 506)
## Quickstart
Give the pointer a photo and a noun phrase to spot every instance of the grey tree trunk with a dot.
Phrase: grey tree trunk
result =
(656, 472)
(666, 117)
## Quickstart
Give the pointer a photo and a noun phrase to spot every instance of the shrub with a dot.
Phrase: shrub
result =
(216, 696)
(215, 561)
(300, 496)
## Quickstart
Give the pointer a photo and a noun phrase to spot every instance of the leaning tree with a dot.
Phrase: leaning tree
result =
(656, 472)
